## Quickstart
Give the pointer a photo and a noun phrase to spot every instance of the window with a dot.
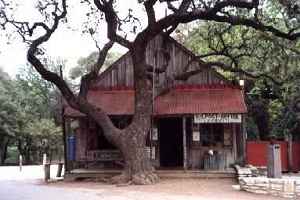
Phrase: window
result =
(211, 134)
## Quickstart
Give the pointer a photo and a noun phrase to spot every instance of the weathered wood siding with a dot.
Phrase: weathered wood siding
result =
(81, 140)
(121, 72)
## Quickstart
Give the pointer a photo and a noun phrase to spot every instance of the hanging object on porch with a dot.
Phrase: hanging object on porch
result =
(74, 124)
(218, 118)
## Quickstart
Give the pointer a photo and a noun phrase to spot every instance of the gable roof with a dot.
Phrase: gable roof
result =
(126, 58)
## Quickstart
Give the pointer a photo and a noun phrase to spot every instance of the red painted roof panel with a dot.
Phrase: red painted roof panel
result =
(180, 100)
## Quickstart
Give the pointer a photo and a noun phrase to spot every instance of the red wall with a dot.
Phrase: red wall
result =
(257, 154)
(296, 156)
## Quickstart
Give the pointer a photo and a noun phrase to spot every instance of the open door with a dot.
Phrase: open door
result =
(171, 142)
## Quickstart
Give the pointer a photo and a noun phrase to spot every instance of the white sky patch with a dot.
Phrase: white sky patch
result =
(66, 43)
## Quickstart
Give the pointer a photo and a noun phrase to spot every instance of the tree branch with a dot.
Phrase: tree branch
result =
(78, 103)
(234, 3)
(112, 22)
(211, 15)
(150, 11)
(87, 79)
(46, 74)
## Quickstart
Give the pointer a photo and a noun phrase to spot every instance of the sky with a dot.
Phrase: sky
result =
(68, 42)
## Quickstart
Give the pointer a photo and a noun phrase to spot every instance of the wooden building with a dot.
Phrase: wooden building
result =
(197, 122)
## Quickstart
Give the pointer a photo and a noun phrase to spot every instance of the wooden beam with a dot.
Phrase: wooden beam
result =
(234, 141)
(68, 163)
(184, 143)
(244, 140)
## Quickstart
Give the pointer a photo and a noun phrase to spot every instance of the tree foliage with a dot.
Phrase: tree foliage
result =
(27, 115)
(8, 109)
(269, 64)
(85, 64)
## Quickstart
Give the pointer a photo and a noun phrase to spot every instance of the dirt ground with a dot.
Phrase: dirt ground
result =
(28, 185)
(208, 189)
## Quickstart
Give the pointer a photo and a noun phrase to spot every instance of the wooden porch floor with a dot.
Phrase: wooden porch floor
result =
(163, 173)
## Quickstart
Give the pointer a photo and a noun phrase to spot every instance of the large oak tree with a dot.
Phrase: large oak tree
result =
(131, 140)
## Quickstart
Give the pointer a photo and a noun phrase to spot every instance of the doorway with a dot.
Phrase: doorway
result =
(171, 142)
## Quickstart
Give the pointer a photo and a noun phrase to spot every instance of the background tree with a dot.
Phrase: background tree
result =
(131, 140)
(265, 61)
(28, 116)
(37, 103)
(85, 64)
(7, 115)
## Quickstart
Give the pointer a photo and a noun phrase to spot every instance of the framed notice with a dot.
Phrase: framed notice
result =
(196, 133)
(155, 134)
(196, 136)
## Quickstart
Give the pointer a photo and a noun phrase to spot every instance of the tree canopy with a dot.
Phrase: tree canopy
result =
(269, 64)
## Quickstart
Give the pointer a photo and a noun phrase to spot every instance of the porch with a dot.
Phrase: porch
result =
(78, 174)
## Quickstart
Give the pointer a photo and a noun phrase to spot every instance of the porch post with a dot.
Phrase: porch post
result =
(234, 142)
(184, 143)
(67, 131)
(244, 140)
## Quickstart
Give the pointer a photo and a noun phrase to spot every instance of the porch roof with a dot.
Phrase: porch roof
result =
(179, 100)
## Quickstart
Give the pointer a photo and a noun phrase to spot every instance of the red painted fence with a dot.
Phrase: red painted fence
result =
(257, 154)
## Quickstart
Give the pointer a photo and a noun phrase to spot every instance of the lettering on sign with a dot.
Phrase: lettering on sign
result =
(218, 118)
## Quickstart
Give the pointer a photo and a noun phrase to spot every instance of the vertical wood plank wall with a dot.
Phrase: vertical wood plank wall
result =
(121, 72)
(81, 140)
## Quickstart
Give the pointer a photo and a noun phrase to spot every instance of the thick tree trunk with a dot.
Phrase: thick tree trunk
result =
(132, 140)
(3, 149)
(138, 168)
(259, 112)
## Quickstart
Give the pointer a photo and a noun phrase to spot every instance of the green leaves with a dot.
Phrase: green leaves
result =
(45, 132)
(8, 109)
(272, 65)
(84, 65)
(27, 109)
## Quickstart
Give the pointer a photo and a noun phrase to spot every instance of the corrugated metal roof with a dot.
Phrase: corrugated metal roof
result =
(113, 102)
(180, 100)
(195, 100)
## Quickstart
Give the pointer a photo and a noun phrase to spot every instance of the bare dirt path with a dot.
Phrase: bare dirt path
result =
(28, 185)
(179, 189)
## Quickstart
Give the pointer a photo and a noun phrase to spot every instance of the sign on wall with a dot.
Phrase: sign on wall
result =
(196, 133)
(196, 136)
(218, 118)
(155, 134)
